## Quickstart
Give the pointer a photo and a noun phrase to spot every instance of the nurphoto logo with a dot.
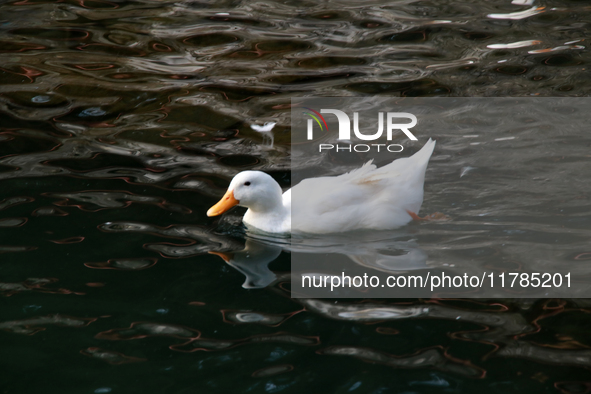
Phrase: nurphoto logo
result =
(344, 133)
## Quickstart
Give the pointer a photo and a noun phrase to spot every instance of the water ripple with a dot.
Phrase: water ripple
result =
(122, 122)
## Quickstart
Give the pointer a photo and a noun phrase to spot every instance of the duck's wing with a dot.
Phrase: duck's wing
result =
(364, 198)
(334, 204)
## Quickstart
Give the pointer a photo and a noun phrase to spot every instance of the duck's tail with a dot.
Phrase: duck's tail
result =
(416, 164)
(423, 156)
(411, 169)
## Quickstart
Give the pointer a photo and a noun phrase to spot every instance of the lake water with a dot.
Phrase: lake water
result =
(123, 122)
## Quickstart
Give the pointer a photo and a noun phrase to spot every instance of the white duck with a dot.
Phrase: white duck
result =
(365, 198)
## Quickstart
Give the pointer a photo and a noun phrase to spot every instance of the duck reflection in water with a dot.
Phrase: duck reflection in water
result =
(251, 253)
(389, 252)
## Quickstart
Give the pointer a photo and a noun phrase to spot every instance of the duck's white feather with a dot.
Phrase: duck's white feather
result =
(366, 198)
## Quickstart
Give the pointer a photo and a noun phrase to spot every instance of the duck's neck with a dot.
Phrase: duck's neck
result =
(268, 214)
(271, 203)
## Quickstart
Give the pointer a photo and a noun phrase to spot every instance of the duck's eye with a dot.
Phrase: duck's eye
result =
(246, 183)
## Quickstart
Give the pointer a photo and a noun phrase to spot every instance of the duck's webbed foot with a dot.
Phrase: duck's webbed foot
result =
(433, 216)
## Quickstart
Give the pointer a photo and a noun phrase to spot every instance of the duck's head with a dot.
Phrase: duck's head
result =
(252, 189)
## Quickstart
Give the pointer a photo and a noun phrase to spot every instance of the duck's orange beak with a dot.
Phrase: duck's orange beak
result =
(227, 202)
(227, 257)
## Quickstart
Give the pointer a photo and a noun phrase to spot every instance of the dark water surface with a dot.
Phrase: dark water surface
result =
(122, 122)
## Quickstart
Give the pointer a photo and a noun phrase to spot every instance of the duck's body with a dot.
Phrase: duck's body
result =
(366, 198)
